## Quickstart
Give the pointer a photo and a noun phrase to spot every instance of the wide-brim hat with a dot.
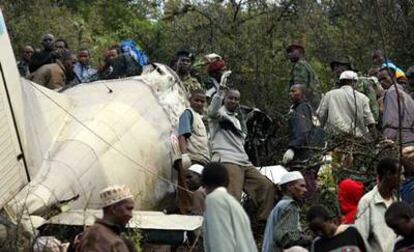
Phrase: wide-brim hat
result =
(295, 45)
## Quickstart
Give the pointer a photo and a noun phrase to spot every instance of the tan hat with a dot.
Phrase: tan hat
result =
(114, 194)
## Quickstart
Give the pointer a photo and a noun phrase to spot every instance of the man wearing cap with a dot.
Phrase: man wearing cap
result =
(227, 137)
(345, 110)
(283, 227)
(302, 73)
(391, 118)
(365, 85)
(216, 66)
(184, 61)
(104, 235)
(193, 181)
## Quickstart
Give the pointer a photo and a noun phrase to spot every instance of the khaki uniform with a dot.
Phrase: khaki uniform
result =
(51, 75)
(102, 237)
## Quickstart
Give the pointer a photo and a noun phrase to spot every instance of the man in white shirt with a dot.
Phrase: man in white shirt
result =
(345, 110)
(370, 220)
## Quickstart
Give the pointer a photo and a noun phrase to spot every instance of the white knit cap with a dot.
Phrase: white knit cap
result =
(114, 194)
(348, 75)
(290, 176)
(196, 168)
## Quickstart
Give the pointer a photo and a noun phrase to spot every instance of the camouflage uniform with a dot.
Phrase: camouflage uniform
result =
(367, 87)
(190, 83)
(302, 73)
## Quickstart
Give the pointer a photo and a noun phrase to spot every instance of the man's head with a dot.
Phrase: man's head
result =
(111, 54)
(83, 56)
(408, 162)
(193, 177)
(232, 100)
(400, 218)
(410, 75)
(214, 175)
(27, 52)
(48, 41)
(68, 60)
(216, 68)
(61, 44)
(198, 100)
(295, 51)
(378, 57)
(386, 76)
(184, 60)
(321, 221)
(340, 65)
(118, 204)
(294, 185)
(389, 174)
(297, 93)
(348, 78)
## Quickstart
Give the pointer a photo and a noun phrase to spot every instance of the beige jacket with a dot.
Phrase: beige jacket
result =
(50, 75)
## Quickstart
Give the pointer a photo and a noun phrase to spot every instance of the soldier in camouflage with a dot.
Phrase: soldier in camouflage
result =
(365, 85)
(184, 61)
(302, 73)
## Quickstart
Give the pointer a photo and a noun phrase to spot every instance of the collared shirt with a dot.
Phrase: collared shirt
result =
(338, 114)
(84, 73)
(227, 134)
(371, 224)
(391, 118)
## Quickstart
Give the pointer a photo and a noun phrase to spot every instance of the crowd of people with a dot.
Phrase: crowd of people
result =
(214, 168)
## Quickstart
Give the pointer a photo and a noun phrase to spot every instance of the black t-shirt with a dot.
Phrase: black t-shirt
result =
(348, 241)
(406, 244)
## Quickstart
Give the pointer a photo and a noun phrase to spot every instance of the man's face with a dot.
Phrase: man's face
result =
(385, 79)
(298, 189)
(111, 54)
(83, 57)
(322, 228)
(60, 45)
(193, 180)
(401, 226)
(296, 94)
(48, 41)
(70, 63)
(378, 59)
(393, 180)
(294, 54)
(338, 69)
(122, 211)
(183, 65)
(28, 52)
(197, 102)
(232, 100)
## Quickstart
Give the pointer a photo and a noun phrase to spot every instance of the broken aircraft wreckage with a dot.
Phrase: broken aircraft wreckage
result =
(58, 150)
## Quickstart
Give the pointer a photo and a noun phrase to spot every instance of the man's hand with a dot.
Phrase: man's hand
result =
(288, 156)
(185, 161)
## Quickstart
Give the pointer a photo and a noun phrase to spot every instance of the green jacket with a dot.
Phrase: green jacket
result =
(366, 86)
(302, 73)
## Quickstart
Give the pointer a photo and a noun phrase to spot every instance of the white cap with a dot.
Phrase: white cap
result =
(114, 194)
(348, 75)
(196, 168)
(290, 176)
(212, 57)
